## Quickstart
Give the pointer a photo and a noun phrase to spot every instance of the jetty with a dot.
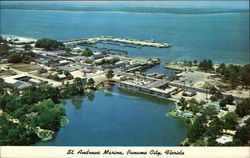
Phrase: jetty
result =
(114, 39)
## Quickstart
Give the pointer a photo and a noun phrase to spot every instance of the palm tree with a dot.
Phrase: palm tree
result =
(91, 82)
(110, 74)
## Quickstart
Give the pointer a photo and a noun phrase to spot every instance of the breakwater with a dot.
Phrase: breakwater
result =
(114, 39)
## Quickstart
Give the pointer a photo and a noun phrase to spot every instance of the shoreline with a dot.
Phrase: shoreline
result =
(22, 38)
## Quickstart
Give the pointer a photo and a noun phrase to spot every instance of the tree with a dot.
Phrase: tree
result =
(15, 57)
(223, 103)
(1, 86)
(91, 82)
(206, 65)
(189, 63)
(193, 101)
(245, 77)
(243, 108)
(110, 74)
(243, 134)
(68, 74)
(2, 40)
(229, 99)
(230, 120)
(221, 68)
(210, 111)
(27, 47)
(78, 82)
(87, 52)
(215, 127)
(182, 103)
(197, 129)
(49, 44)
(104, 52)
(195, 62)
(194, 108)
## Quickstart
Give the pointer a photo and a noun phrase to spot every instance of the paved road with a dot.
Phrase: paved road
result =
(200, 90)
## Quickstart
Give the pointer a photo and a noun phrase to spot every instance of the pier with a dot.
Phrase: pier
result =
(120, 40)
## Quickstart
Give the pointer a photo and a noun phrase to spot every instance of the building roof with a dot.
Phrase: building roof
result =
(35, 81)
(66, 68)
(61, 76)
(16, 84)
(224, 139)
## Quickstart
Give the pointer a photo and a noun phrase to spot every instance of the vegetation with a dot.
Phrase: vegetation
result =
(91, 82)
(27, 47)
(235, 74)
(204, 130)
(206, 65)
(216, 94)
(110, 74)
(243, 108)
(227, 100)
(34, 107)
(197, 130)
(182, 103)
(104, 52)
(1, 86)
(4, 47)
(68, 75)
(17, 57)
(87, 52)
(49, 44)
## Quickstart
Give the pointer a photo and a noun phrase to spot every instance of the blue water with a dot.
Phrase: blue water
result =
(221, 37)
(119, 119)
(124, 118)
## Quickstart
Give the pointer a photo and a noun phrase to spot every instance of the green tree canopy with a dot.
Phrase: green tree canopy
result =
(243, 108)
(87, 52)
(49, 44)
(91, 82)
(27, 47)
(110, 74)
(15, 57)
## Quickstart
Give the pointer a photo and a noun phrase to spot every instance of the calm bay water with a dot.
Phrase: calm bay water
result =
(123, 118)
(220, 37)
(119, 119)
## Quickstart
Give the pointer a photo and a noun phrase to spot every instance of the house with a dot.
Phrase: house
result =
(64, 68)
(62, 76)
(189, 93)
(35, 82)
(17, 49)
(98, 55)
(76, 49)
(121, 63)
(179, 112)
(56, 53)
(224, 139)
(64, 62)
(99, 62)
(15, 84)
(186, 114)
(198, 114)
(3, 61)
(42, 61)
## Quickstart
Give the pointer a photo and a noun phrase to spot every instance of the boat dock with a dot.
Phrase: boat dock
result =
(120, 40)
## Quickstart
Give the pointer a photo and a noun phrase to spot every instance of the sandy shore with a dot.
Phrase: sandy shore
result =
(20, 38)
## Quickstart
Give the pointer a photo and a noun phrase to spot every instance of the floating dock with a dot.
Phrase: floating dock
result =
(120, 40)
